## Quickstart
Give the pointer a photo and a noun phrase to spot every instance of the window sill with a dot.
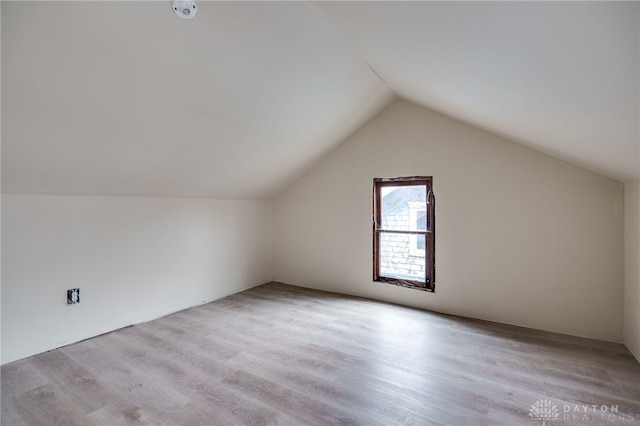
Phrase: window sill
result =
(406, 284)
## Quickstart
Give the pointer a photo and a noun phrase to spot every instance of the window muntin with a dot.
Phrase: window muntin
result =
(403, 232)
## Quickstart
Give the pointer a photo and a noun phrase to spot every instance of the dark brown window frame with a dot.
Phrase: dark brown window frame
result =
(429, 233)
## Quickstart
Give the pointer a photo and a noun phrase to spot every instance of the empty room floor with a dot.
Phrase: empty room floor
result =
(279, 354)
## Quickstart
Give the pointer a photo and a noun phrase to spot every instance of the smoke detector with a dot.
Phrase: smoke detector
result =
(185, 9)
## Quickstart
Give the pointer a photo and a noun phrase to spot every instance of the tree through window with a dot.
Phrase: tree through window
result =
(404, 232)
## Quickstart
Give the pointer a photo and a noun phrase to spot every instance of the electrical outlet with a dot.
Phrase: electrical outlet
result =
(73, 296)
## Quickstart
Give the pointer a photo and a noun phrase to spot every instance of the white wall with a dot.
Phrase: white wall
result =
(521, 238)
(133, 258)
(632, 267)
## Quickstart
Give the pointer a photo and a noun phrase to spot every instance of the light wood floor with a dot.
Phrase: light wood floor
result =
(278, 354)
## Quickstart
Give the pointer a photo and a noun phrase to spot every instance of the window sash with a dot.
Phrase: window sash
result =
(429, 255)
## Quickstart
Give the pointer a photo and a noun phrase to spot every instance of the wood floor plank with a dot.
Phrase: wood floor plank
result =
(122, 414)
(20, 376)
(193, 375)
(285, 355)
(321, 388)
(9, 415)
(308, 410)
(132, 385)
(48, 405)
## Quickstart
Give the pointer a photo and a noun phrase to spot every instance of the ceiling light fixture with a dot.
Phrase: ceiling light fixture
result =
(185, 9)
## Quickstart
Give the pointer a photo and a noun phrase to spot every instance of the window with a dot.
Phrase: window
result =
(404, 232)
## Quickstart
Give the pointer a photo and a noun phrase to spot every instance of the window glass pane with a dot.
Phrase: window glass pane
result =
(397, 260)
(400, 205)
(421, 220)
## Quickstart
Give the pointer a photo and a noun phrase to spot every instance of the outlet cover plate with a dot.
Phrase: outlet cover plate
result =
(73, 296)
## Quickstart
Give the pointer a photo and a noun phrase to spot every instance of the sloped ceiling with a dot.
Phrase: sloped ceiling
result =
(124, 98)
(560, 77)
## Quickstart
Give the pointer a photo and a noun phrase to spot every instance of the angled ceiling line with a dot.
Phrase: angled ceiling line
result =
(348, 45)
